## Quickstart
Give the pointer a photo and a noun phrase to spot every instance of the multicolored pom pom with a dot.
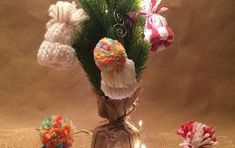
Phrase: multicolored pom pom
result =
(197, 135)
(56, 132)
(110, 55)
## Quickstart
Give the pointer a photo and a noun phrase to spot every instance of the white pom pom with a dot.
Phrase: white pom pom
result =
(120, 85)
(200, 138)
(66, 12)
(56, 55)
(62, 11)
(77, 17)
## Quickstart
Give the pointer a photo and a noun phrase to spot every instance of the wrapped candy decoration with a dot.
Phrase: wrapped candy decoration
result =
(56, 50)
(56, 132)
(156, 30)
(197, 135)
(117, 71)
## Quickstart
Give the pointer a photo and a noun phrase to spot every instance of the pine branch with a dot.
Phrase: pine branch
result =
(99, 25)
(92, 31)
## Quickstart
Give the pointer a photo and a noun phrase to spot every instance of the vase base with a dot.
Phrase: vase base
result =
(116, 135)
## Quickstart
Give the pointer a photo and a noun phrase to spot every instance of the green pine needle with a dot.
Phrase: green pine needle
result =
(99, 25)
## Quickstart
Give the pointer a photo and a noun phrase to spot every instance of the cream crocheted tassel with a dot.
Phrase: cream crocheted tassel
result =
(122, 84)
(56, 50)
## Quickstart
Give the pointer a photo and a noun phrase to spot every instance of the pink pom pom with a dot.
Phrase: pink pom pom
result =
(197, 135)
(186, 129)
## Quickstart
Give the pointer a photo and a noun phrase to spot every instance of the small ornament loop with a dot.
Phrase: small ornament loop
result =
(118, 17)
(83, 131)
(119, 29)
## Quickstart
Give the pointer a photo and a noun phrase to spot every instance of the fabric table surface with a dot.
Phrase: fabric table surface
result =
(29, 138)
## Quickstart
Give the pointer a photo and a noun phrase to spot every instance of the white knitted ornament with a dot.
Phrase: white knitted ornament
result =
(56, 50)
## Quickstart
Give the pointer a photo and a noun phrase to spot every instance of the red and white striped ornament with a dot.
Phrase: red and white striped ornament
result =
(156, 30)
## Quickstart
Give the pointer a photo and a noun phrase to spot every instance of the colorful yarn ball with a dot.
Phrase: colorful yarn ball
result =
(56, 132)
(110, 55)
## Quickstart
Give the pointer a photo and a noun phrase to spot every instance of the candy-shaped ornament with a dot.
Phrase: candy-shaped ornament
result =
(117, 71)
(56, 132)
(156, 30)
(197, 135)
(56, 50)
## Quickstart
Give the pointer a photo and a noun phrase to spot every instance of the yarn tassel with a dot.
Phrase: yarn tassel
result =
(122, 84)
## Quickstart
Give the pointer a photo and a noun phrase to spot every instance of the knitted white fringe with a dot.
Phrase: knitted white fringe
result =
(120, 85)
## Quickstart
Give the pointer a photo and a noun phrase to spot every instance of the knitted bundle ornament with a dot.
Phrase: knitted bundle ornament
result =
(197, 135)
(117, 71)
(156, 30)
(56, 50)
(56, 132)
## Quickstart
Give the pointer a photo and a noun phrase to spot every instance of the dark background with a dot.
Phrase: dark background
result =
(193, 79)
